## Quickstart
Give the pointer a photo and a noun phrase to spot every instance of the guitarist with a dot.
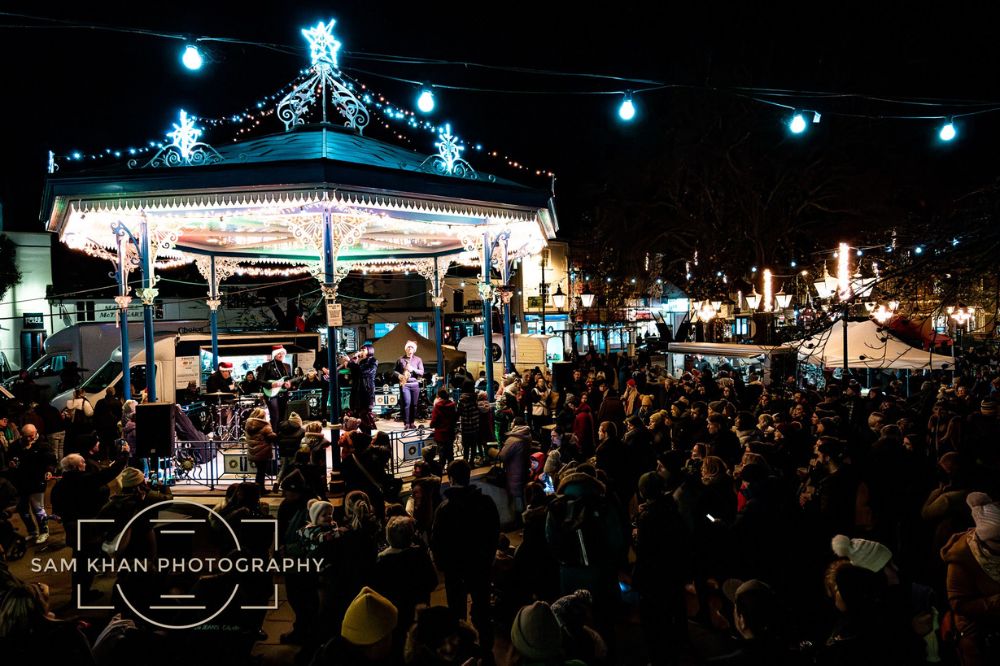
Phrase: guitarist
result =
(274, 376)
(409, 371)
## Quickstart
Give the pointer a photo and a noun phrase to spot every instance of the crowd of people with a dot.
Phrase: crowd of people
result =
(733, 521)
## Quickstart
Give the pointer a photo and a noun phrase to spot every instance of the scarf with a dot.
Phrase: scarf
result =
(989, 562)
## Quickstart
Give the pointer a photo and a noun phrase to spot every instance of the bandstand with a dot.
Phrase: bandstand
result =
(316, 196)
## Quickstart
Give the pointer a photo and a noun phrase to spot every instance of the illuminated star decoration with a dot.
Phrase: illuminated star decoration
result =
(323, 46)
(185, 135)
(449, 149)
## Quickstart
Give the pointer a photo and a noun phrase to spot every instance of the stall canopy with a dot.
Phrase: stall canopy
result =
(390, 347)
(868, 346)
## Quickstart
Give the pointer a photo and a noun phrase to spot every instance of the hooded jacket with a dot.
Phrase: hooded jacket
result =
(972, 594)
(583, 428)
(514, 455)
(259, 440)
(290, 435)
(443, 419)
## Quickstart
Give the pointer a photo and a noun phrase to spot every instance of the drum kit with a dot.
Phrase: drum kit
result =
(228, 412)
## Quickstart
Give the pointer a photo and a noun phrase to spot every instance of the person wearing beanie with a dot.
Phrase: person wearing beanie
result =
(514, 455)
(365, 633)
(536, 636)
(440, 637)
(973, 581)
(290, 433)
(863, 553)
(300, 587)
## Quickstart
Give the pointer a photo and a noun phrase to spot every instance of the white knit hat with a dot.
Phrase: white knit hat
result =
(315, 507)
(986, 514)
(863, 553)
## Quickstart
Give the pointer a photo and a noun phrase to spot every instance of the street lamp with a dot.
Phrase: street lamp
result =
(783, 299)
(753, 300)
(825, 285)
(559, 298)
(587, 297)
(882, 314)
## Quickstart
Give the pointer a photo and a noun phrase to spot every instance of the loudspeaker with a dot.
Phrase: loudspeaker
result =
(300, 407)
(154, 430)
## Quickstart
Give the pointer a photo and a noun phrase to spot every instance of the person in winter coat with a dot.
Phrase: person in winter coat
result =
(514, 455)
(639, 455)
(502, 416)
(404, 574)
(290, 434)
(663, 565)
(444, 417)
(468, 417)
(485, 423)
(612, 409)
(584, 428)
(364, 470)
(612, 458)
(31, 463)
(259, 441)
(315, 442)
(464, 542)
(973, 582)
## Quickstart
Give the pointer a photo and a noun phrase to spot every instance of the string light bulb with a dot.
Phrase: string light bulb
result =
(425, 101)
(947, 131)
(797, 124)
(192, 58)
(627, 109)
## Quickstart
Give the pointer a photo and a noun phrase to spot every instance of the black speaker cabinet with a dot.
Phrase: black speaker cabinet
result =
(562, 376)
(300, 407)
(154, 430)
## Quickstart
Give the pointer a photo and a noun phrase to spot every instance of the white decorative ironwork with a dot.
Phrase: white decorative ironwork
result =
(486, 291)
(184, 148)
(148, 295)
(324, 82)
(123, 302)
(213, 303)
(448, 160)
(53, 167)
(472, 243)
(438, 301)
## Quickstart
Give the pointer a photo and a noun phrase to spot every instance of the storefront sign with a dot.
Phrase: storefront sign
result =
(33, 321)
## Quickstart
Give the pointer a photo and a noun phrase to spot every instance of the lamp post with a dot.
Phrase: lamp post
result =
(587, 300)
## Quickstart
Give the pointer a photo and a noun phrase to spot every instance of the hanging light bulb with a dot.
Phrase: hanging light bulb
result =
(797, 124)
(425, 101)
(627, 110)
(947, 131)
(192, 58)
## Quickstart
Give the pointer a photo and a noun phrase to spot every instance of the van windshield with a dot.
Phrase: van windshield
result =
(100, 380)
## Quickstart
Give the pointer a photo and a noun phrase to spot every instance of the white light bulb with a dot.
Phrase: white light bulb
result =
(425, 102)
(627, 110)
(797, 125)
(192, 57)
(947, 132)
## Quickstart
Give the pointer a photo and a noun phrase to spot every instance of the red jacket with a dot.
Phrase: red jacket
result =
(444, 417)
(583, 427)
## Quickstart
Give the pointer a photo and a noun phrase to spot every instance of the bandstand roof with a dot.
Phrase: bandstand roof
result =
(247, 205)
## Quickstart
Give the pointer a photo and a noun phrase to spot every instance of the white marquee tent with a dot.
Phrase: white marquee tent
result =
(868, 346)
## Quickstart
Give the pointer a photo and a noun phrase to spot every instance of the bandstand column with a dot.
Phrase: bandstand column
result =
(486, 293)
(122, 300)
(506, 295)
(213, 314)
(148, 295)
(330, 292)
(437, 300)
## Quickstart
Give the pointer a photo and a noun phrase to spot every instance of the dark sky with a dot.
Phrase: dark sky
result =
(87, 90)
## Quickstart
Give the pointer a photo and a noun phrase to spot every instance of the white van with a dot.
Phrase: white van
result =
(530, 351)
(765, 360)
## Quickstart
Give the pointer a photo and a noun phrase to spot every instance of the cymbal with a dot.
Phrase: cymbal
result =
(216, 394)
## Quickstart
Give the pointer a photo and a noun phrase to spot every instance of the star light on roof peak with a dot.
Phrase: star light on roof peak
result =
(185, 135)
(323, 46)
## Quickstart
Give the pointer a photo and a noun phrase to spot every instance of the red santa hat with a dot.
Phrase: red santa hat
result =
(277, 349)
(225, 365)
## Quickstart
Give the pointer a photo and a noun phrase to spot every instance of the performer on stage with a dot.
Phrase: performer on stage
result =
(274, 378)
(362, 366)
(409, 371)
(221, 381)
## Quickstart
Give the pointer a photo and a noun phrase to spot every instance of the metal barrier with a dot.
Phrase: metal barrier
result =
(407, 448)
(209, 463)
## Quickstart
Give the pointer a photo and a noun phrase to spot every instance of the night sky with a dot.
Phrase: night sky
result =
(88, 90)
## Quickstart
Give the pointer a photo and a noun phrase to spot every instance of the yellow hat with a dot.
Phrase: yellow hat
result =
(369, 619)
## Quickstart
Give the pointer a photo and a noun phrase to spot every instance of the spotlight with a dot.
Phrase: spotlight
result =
(627, 110)
(797, 125)
(192, 58)
(919, 249)
(947, 131)
(425, 102)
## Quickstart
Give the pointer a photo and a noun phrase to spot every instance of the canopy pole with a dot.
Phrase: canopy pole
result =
(438, 333)
(123, 300)
(507, 351)
(149, 294)
(486, 293)
(846, 359)
(213, 315)
(330, 291)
